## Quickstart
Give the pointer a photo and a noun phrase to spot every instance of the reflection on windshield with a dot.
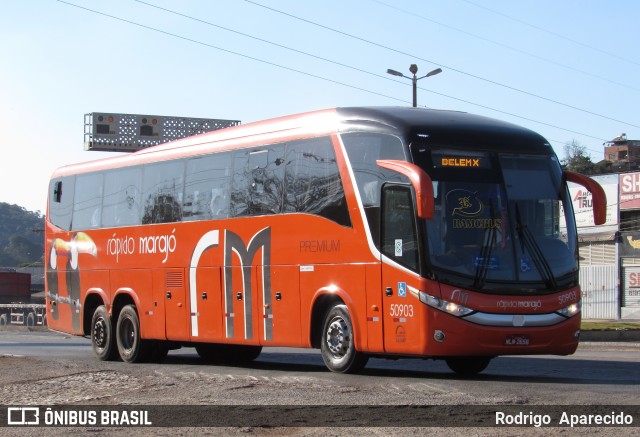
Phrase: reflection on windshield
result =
(499, 227)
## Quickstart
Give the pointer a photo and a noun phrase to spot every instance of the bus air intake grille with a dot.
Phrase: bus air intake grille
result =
(175, 279)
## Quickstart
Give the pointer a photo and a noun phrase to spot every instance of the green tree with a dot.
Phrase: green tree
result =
(22, 250)
(577, 159)
(603, 167)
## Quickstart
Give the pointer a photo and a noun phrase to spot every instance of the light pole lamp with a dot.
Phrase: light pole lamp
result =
(414, 69)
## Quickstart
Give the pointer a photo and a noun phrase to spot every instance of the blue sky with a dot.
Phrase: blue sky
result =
(567, 69)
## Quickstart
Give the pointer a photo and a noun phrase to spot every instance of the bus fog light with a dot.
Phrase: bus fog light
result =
(438, 336)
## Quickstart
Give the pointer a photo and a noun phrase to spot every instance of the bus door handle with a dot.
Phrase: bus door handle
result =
(204, 295)
(278, 295)
(389, 291)
(168, 295)
(239, 295)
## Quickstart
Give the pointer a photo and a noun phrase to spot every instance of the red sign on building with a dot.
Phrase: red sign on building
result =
(630, 190)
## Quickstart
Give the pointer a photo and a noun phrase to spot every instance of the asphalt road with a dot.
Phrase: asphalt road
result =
(43, 368)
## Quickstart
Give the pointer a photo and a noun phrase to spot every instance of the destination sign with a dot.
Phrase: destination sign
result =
(460, 162)
(446, 160)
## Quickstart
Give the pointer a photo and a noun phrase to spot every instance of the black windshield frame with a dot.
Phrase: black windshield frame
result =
(492, 198)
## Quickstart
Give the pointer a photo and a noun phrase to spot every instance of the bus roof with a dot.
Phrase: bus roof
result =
(437, 126)
(449, 128)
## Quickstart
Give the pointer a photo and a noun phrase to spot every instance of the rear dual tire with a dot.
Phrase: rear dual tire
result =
(102, 335)
(131, 347)
(123, 340)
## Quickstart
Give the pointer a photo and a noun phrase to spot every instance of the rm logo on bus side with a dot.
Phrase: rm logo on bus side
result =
(233, 243)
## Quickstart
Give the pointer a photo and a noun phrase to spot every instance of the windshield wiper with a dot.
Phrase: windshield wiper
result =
(539, 260)
(484, 260)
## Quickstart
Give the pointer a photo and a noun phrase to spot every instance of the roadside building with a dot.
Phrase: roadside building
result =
(610, 253)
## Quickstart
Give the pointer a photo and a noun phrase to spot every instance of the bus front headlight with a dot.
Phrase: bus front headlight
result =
(444, 305)
(571, 310)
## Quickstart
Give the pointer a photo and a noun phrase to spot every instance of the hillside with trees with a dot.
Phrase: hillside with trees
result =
(21, 236)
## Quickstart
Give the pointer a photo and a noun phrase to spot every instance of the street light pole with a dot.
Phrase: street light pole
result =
(414, 80)
(414, 69)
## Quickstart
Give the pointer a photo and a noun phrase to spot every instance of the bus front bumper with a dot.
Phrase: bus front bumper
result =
(453, 336)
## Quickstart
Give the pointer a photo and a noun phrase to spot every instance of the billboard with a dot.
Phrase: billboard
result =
(110, 132)
(583, 206)
(629, 191)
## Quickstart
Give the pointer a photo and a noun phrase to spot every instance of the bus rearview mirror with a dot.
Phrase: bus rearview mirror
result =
(421, 182)
(597, 195)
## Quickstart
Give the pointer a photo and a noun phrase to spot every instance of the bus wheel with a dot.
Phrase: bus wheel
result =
(468, 366)
(337, 343)
(158, 351)
(102, 339)
(131, 347)
(242, 354)
(210, 352)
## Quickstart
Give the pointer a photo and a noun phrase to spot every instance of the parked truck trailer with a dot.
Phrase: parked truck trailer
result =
(16, 307)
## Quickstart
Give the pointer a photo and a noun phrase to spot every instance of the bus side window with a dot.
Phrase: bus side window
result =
(258, 181)
(87, 207)
(240, 185)
(207, 187)
(121, 204)
(312, 181)
(162, 192)
(267, 179)
(399, 240)
(61, 202)
(364, 149)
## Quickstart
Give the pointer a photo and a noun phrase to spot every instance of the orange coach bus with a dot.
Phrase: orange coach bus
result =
(383, 231)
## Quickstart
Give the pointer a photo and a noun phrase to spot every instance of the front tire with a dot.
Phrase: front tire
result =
(337, 343)
(468, 366)
(102, 339)
(131, 347)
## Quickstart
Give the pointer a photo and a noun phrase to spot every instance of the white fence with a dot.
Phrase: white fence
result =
(600, 295)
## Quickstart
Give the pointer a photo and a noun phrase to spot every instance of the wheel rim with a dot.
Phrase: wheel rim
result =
(338, 337)
(100, 333)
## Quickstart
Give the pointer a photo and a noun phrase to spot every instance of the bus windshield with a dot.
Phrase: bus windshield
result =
(497, 222)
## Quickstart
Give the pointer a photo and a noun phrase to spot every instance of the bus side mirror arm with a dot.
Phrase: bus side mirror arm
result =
(597, 195)
(421, 182)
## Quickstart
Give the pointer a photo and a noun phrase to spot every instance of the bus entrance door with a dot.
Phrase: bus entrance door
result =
(400, 259)
(400, 314)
